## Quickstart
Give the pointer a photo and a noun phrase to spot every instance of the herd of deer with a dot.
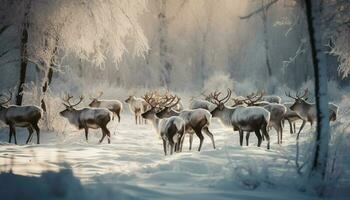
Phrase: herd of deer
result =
(254, 113)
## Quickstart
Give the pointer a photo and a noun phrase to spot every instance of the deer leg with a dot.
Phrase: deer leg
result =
(206, 131)
(14, 134)
(30, 130)
(86, 134)
(118, 115)
(281, 130)
(275, 126)
(240, 137)
(135, 119)
(182, 142)
(267, 136)
(258, 135)
(294, 127)
(37, 130)
(171, 143)
(247, 138)
(108, 135)
(10, 134)
(200, 136)
(103, 135)
(302, 126)
(290, 126)
(164, 146)
(191, 140)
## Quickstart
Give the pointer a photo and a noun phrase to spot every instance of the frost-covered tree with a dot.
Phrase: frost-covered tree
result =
(320, 154)
(93, 31)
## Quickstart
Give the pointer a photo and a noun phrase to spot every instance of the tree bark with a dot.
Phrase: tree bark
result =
(319, 163)
(166, 66)
(49, 74)
(266, 43)
(24, 56)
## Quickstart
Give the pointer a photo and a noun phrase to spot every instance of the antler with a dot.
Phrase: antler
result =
(171, 100)
(298, 95)
(149, 97)
(8, 99)
(69, 97)
(215, 97)
(306, 92)
(253, 98)
(289, 95)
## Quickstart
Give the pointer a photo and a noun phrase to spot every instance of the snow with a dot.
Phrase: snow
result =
(133, 165)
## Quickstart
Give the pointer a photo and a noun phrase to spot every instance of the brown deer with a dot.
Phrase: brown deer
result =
(114, 106)
(250, 119)
(20, 116)
(307, 111)
(86, 118)
(196, 120)
(171, 129)
(277, 113)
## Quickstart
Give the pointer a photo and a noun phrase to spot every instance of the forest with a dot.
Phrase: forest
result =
(174, 99)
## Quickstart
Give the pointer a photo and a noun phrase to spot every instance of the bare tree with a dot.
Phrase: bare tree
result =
(24, 54)
(320, 154)
(164, 20)
(264, 14)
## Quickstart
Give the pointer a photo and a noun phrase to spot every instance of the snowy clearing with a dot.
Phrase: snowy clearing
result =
(134, 167)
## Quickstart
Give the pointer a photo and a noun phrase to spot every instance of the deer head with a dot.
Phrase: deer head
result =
(69, 106)
(220, 102)
(94, 99)
(170, 101)
(300, 99)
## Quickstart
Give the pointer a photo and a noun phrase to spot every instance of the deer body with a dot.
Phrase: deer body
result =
(137, 106)
(250, 119)
(204, 104)
(21, 116)
(114, 106)
(196, 121)
(240, 117)
(291, 116)
(171, 129)
(272, 99)
(307, 111)
(86, 118)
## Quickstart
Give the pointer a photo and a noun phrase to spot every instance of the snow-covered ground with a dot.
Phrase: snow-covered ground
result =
(133, 165)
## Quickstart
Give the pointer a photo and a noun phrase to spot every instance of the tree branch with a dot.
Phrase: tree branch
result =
(266, 7)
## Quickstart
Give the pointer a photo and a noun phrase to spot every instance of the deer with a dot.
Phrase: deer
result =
(171, 129)
(250, 119)
(307, 110)
(277, 113)
(85, 118)
(272, 99)
(291, 116)
(196, 121)
(114, 106)
(20, 116)
(137, 106)
(202, 103)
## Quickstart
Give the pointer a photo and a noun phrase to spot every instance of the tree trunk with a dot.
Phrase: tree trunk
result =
(319, 163)
(24, 56)
(49, 74)
(166, 66)
(266, 42)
